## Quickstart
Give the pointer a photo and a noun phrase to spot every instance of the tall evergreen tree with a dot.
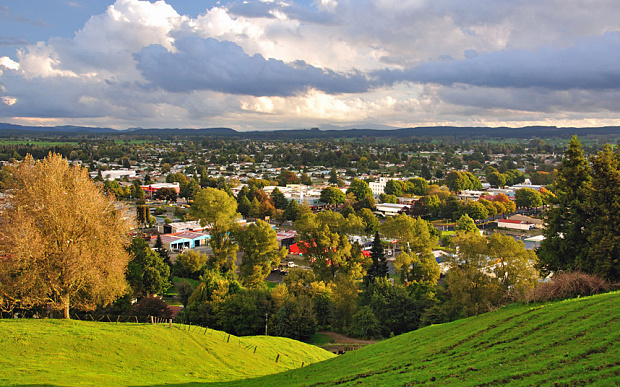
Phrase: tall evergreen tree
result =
(378, 268)
(161, 250)
(603, 233)
(565, 237)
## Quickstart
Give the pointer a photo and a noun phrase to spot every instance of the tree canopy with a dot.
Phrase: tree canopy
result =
(218, 210)
(64, 240)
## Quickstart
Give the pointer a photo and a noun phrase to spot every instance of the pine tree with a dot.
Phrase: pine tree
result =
(565, 234)
(163, 253)
(603, 232)
(378, 268)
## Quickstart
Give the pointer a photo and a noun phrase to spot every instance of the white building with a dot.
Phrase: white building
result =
(115, 174)
(389, 209)
(378, 187)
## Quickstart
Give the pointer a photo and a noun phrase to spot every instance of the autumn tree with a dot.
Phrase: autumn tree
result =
(484, 273)
(64, 240)
(218, 211)
(323, 241)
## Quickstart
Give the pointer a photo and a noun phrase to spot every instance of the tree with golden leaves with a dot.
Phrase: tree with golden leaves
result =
(63, 241)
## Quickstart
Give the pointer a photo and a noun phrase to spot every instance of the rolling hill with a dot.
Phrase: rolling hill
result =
(58, 352)
(571, 343)
(568, 343)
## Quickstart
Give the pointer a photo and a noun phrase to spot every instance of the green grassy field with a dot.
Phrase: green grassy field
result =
(41, 143)
(57, 352)
(573, 343)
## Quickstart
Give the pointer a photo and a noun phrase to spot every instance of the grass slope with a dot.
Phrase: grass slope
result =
(58, 352)
(573, 342)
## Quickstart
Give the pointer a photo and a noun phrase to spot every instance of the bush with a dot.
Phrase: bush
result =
(568, 285)
(151, 306)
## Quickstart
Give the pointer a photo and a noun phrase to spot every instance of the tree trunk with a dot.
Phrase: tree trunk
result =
(65, 301)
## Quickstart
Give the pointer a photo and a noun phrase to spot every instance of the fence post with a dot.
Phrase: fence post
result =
(136, 319)
(170, 323)
(151, 319)
(228, 339)
(277, 358)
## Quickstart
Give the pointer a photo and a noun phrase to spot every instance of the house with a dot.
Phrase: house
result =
(528, 219)
(515, 224)
(173, 228)
(389, 209)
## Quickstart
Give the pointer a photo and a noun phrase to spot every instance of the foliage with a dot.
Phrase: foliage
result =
(146, 272)
(167, 194)
(295, 319)
(279, 201)
(332, 195)
(185, 290)
(484, 273)
(466, 225)
(568, 285)
(398, 308)
(260, 252)
(378, 268)
(365, 324)
(151, 306)
(458, 181)
(476, 210)
(323, 241)
(568, 343)
(190, 264)
(64, 240)
(385, 198)
(582, 225)
(243, 313)
(371, 223)
(218, 210)
(528, 197)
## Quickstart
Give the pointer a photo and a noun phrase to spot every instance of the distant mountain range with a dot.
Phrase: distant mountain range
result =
(330, 132)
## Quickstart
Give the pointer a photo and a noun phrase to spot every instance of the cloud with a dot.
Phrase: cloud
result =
(7, 14)
(207, 64)
(589, 65)
(247, 64)
(12, 41)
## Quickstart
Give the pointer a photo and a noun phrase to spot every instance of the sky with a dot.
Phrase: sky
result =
(272, 64)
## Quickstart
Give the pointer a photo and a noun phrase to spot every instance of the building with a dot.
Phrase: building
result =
(515, 224)
(184, 240)
(378, 187)
(115, 174)
(173, 228)
(152, 188)
(389, 209)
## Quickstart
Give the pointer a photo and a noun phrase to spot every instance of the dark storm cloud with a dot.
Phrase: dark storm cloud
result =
(591, 64)
(208, 64)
